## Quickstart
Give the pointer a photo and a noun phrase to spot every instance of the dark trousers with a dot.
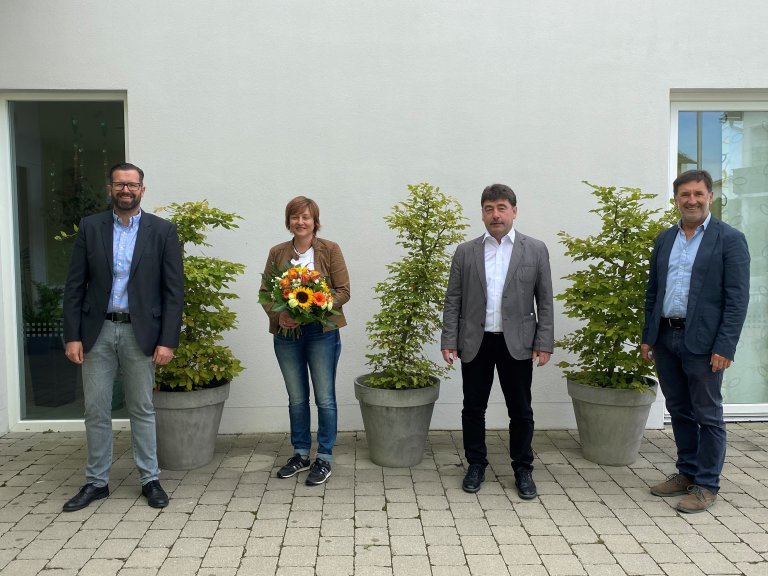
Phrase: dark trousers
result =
(515, 378)
(695, 406)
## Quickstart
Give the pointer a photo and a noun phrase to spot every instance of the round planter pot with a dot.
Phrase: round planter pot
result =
(611, 422)
(187, 425)
(396, 422)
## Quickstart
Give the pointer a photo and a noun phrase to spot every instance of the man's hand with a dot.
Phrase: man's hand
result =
(719, 362)
(74, 352)
(646, 352)
(162, 355)
(542, 356)
(450, 355)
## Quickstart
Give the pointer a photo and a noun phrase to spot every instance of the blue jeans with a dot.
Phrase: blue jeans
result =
(695, 404)
(116, 348)
(317, 353)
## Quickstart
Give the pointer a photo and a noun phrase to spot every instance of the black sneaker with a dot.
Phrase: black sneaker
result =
(526, 487)
(319, 472)
(473, 478)
(296, 464)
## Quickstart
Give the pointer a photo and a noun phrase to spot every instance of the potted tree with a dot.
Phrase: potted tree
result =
(611, 386)
(398, 396)
(191, 389)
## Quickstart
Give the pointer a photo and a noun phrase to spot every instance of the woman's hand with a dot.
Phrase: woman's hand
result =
(285, 321)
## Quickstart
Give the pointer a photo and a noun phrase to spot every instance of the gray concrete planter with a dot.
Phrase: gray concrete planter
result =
(611, 422)
(187, 425)
(396, 422)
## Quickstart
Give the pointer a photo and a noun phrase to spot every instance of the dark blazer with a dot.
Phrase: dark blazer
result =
(329, 261)
(528, 281)
(155, 284)
(719, 293)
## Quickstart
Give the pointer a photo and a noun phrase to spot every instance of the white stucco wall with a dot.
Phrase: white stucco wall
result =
(251, 103)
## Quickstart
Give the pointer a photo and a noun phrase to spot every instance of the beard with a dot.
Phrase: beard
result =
(125, 203)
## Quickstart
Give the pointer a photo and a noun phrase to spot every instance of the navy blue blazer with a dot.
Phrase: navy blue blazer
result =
(155, 284)
(719, 293)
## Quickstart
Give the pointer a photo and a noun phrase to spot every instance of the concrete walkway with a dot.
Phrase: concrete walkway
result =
(235, 517)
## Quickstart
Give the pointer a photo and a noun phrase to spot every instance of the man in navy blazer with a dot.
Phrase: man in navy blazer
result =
(122, 312)
(695, 306)
(499, 314)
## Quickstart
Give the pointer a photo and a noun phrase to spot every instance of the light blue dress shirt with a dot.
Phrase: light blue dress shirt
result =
(681, 260)
(123, 243)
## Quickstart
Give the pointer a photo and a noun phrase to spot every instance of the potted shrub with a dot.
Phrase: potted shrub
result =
(398, 396)
(191, 389)
(611, 386)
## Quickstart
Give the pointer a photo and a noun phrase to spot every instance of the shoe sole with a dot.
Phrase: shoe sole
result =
(65, 509)
(157, 505)
(471, 490)
(527, 496)
(696, 510)
(291, 475)
(323, 481)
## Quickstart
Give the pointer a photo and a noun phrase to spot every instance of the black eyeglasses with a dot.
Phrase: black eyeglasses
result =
(132, 186)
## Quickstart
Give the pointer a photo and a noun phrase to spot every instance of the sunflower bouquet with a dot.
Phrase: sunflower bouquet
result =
(305, 294)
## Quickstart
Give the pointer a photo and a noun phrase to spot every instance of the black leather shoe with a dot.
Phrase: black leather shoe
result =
(526, 487)
(156, 496)
(87, 494)
(474, 478)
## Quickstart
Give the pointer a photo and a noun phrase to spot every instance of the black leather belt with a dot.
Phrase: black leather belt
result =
(122, 317)
(674, 323)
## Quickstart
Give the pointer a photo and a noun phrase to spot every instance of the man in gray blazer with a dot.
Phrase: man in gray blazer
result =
(695, 306)
(498, 314)
(122, 311)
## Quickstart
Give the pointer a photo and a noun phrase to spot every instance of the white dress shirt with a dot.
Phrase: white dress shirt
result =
(497, 257)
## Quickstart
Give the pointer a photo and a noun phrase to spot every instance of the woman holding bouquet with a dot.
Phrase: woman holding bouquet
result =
(305, 322)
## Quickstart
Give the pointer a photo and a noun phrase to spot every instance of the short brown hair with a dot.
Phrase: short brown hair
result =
(297, 206)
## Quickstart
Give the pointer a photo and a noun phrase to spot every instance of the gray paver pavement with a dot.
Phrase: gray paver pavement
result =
(234, 517)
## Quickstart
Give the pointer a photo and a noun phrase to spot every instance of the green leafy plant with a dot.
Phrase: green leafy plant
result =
(411, 297)
(608, 296)
(200, 360)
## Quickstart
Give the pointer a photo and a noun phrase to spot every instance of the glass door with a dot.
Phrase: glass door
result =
(731, 142)
(61, 151)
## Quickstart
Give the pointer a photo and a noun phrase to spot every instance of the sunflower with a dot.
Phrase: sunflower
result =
(303, 296)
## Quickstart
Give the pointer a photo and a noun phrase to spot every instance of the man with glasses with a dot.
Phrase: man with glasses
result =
(122, 311)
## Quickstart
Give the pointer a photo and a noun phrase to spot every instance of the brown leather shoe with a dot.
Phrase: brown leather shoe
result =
(674, 485)
(697, 500)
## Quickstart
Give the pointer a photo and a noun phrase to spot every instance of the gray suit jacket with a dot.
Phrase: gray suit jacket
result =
(527, 307)
(155, 284)
(719, 293)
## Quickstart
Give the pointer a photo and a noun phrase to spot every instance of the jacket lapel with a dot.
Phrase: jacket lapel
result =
(106, 231)
(665, 249)
(479, 258)
(518, 248)
(142, 237)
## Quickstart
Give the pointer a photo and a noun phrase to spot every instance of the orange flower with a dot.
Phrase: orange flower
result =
(314, 275)
(305, 276)
(284, 283)
(286, 293)
(319, 298)
(293, 273)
